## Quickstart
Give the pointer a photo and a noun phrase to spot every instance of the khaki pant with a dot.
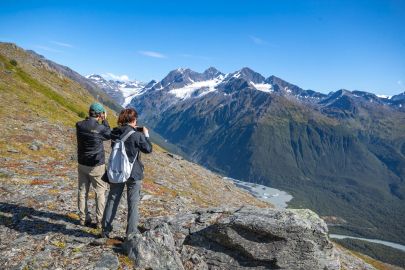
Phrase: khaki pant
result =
(91, 175)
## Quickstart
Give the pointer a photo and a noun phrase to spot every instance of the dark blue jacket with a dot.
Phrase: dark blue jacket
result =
(134, 145)
(90, 136)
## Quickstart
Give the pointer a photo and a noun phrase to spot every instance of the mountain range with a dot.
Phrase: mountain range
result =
(121, 91)
(341, 154)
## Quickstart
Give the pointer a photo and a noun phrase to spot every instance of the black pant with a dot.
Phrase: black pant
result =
(113, 200)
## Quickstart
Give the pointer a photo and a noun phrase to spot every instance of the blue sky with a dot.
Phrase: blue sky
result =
(320, 45)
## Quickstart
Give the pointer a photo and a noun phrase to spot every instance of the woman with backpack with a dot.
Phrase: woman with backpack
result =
(136, 140)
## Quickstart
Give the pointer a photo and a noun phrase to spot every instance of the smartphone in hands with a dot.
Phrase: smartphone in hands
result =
(103, 116)
(140, 129)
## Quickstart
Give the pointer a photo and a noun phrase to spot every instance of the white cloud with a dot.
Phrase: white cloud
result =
(152, 54)
(257, 40)
(116, 77)
(62, 44)
(48, 49)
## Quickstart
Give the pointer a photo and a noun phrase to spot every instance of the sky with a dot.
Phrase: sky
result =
(322, 45)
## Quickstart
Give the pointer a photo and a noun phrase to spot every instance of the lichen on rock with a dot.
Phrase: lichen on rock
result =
(238, 238)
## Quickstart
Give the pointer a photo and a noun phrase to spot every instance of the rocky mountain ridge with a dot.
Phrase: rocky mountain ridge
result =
(245, 77)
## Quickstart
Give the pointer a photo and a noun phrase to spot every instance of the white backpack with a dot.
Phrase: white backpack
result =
(119, 168)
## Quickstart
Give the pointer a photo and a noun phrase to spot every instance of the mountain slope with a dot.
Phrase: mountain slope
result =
(45, 92)
(340, 154)
(92, 88)
(33, 64)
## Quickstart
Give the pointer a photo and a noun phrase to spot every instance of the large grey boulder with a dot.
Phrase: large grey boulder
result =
(154, 249)
(245, 238)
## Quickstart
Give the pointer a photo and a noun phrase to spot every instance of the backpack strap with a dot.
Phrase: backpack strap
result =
(127, 136)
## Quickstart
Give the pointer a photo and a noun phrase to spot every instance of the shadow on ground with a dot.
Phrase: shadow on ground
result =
(35, 222)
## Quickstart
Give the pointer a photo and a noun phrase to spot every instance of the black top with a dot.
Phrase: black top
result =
(90, 136)
(135, 144)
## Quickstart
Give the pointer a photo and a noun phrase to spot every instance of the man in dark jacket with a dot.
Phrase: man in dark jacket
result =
(90, 151)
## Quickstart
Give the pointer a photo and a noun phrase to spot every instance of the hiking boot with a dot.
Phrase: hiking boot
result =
(104, 234)
(86, 222)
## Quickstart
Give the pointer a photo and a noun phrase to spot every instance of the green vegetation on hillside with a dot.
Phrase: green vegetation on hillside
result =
(16, 85)
(380, 252)
(13, 62)
(66, 106)
(49, 93)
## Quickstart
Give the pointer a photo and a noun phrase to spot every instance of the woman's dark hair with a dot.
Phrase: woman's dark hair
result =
(127, 116)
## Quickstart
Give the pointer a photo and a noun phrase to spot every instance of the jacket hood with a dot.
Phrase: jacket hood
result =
(117, 132)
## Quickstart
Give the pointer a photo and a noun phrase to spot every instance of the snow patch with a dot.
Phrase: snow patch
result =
(221, 77)
(129, 93)
(236, 75)
(264, 87)
(181, 70)
(188, 90)
(384, 96)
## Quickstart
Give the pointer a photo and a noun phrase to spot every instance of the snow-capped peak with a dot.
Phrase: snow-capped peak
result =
(121, 91)
(236, 75)
(384, 96)
(196, 89)
(181, 70)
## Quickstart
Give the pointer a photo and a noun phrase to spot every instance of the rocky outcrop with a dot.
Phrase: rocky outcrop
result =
(242, 238)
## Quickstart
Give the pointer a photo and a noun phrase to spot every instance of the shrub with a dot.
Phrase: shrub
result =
(13, 62)
(81, 115)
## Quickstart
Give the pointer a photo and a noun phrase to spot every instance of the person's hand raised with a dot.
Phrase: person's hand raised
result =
(146, 132)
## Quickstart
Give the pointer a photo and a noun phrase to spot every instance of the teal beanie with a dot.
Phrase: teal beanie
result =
(97, 107)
